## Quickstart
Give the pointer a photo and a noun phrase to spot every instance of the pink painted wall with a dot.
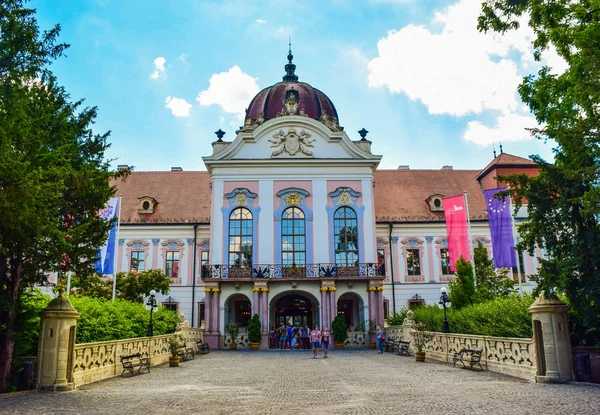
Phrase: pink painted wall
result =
(353, 184)
(284, 184)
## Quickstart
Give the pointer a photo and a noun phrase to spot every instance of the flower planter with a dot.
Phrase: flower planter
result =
(233, 346)
(173, 361)
(339, 345)
(420, 356)
(254, 345)
(372, 345)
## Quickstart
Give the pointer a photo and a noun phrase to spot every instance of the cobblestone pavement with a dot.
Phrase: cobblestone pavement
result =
(291, 382)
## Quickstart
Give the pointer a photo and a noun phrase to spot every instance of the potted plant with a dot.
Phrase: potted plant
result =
(233, 329)
(174, 344)
(254, 332)
(421, 336)
(340, 334)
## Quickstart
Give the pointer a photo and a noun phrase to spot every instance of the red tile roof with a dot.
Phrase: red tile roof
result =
(184, 197)
(506, 160)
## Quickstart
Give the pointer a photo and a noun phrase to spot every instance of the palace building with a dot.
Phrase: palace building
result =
(293, 221)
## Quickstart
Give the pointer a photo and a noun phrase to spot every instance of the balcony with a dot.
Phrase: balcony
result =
(279, 271)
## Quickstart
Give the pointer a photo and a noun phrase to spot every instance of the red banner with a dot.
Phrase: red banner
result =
(456, 225)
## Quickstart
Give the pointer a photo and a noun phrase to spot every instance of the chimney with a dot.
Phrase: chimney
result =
(122, 167)
(404, 167)
(447, 168)
(176, 169)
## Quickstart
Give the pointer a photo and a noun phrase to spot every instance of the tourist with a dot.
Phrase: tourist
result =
(380, 339)
(304, 337)
(325, 338)
(315, 339)
(282, 336)
(272, 337)
(289, 334)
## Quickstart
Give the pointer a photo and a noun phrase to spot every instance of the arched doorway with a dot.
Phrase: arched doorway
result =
(294, 309)
(351, 306)
(238, 309)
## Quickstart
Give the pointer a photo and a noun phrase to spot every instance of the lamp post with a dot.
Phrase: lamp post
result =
(152, 306)
(443, 301)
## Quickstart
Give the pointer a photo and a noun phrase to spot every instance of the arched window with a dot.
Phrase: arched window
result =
(240, 238)
(345, 227)
(293, 237)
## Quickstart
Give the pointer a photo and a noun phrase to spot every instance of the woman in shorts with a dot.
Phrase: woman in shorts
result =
(315, 339)
(325, 339)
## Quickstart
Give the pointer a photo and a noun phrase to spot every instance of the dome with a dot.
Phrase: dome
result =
(291, 97)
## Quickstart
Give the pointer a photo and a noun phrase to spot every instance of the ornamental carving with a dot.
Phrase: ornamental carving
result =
(291, 143)
(241, 199)
(292, 199)
(330, 121)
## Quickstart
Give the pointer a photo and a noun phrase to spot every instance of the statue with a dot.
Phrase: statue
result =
(409, 320)
(183, 323)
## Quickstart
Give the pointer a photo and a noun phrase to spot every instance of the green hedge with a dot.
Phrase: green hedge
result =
(103, 320)
(501, 317)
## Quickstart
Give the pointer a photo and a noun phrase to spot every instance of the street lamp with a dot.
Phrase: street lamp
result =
(443, 301)
(151, 305)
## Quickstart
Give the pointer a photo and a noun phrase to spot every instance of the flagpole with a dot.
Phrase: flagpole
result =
(515, 240)
(114, 293)
(68, 283)
(469, 235)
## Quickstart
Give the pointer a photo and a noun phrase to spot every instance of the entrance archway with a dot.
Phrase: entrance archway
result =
(294, 309)
(351, 306)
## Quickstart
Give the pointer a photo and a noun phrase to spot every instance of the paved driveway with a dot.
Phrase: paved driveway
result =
(291, 383)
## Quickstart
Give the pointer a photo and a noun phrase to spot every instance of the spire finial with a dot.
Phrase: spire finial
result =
(501, 152)
(290, 68)
(494, 147)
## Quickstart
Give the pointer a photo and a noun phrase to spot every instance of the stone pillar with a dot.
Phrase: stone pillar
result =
(380, 307)
(207, 310)
(324, 311)
(332, 305)
(264, 344)
(56, 347)
(211, 333)
(551, 340)
(256, 305)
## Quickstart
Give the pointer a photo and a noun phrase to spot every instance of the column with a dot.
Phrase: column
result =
(372, 315)
(207, 312)
(155, 242)
(430, 255)
(320, 226)
(216, 305)
(266, 226)
(332, 306)
(324, 311)
(265, 319)
(380, 308)
(216, 224)
(368, 224)
(256, 305)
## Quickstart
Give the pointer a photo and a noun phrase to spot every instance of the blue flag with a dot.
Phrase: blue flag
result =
(107, 252)
(503, 243)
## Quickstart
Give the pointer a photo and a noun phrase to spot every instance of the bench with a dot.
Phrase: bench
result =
(185, 352)
(203, 348)
(472, 357)
(388, 345)
(132, 361)
(403, 348)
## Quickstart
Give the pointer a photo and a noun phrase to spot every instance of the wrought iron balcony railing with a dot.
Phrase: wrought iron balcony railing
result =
(273, 271)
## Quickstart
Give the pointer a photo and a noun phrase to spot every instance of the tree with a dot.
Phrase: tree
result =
(564, 200)
(134, 286)
(462, 289)
(53, 174)
(490, 282)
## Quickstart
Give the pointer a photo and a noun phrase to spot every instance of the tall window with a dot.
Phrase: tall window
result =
(346, 237)
(137, 261)
(293, 237)
(519, 254)
(172, 264)
(201, 312)
(204, 258)
(445, 261)
(240, 238)
(413, 262)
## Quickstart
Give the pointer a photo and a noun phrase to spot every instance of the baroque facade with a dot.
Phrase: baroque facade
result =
(293, 221)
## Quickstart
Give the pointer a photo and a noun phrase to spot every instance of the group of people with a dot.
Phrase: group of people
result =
(300, 337)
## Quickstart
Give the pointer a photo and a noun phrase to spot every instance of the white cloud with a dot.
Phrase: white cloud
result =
(178, 106)
(510, 127)
(231, 90)
(260, 21)
(159, 68)
(182, 57)
(454, 69)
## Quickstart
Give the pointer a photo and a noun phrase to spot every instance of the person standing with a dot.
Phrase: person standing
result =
(315, 339)
(282, 336)
(304, 337)
(380, 339)
(325, 338)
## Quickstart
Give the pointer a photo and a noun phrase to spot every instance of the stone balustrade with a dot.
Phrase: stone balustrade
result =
(511, 356)
(101, 360)
(356, 339)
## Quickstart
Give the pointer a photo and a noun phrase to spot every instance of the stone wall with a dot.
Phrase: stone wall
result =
(101, 360)
(511, 356)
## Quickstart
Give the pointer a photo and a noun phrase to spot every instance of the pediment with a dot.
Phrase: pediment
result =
(292, 137)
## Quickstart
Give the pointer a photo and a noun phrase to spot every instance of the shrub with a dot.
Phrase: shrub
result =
(254, 329)
(338, 327)
(397, 318)
(103, 320)
(501, 317)
(462, 289)
(29, 309)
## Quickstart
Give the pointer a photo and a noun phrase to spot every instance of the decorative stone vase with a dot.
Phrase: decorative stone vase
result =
(233, 346)
(372, 345)
(173, 361)
(254, 345)
(339, 345)
(420, 356)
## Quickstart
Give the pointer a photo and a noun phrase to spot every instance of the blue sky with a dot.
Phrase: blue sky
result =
(166, 74)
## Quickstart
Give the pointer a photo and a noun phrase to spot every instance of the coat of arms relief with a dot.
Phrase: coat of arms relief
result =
(292, 143)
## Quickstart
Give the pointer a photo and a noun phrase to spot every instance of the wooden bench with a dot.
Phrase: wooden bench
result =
(472, 357)
(388, 345)
(185, 352)
(132, 361)
(203, 348)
